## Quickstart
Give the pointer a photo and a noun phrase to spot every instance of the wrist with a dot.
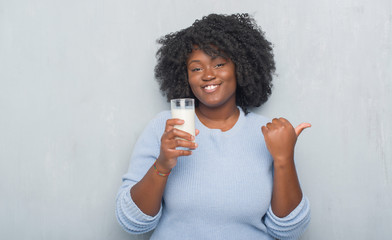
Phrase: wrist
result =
(161, 167)
(283, 162)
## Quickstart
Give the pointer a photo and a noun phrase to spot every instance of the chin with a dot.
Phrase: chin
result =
(214, 100)
(213, 103)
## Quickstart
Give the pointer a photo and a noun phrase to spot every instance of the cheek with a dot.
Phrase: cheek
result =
(230, 78)
(193, 79)
(228, 73)
(191, 82)
(192, 85)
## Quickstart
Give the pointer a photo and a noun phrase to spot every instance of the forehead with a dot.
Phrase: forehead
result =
(198, 54)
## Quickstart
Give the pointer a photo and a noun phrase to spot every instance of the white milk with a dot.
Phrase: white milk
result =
(188, 115)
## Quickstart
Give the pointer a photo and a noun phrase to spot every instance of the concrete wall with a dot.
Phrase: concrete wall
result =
(77, 88)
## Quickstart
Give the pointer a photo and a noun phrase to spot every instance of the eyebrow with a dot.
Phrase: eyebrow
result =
(212, 58)
(193, 61)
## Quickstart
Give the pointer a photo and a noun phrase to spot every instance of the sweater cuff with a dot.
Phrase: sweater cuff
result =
(302, 206)
(135, 210)
(293, 225)
(132, 218)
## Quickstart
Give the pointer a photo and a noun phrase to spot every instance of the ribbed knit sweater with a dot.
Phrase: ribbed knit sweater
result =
(222, 191)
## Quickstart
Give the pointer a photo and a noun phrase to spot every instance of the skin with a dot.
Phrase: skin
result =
(280, 138)
(147, 193)
(217, 110)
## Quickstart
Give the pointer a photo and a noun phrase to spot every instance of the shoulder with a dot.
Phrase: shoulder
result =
(156, 125)
(252, 124)
(162, 116)
(256, 119)
(158, 122)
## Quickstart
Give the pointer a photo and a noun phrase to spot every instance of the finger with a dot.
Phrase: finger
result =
(264, 130)
(284, 120)
(197, 132)
(270, 126)
(177, 133)
(275, 121)
(170, 123)
(182, 143)
(301, 127)
(178, 153)
(286, 123)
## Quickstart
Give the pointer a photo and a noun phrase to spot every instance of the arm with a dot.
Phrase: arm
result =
(289, 213)
(148, 192)
(139, 198)
(280, 138)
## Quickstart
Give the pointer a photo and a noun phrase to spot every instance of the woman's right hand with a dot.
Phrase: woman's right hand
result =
(170, 140)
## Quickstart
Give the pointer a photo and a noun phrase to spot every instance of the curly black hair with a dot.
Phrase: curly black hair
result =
(236, 37)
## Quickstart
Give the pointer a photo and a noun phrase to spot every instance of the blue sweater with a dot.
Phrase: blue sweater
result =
(222, 191)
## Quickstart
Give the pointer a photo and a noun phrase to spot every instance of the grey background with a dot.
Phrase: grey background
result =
(77, 89)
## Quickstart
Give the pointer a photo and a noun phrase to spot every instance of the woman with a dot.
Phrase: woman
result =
(238, 180)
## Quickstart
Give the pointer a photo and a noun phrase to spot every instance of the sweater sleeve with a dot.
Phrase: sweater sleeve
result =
(145, 152)
(130, 217)
(293, 225)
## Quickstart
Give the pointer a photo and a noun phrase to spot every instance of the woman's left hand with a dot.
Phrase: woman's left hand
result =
(280, 138)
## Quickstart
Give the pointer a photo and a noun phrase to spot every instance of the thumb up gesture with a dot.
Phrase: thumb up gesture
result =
(280, 137)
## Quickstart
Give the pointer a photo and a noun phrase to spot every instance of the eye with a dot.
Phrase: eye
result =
(219, 65)
(195, 69)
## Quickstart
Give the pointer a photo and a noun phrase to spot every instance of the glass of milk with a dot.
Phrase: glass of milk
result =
(184, 108)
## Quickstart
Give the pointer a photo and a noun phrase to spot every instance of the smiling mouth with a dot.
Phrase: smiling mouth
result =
(211, 88)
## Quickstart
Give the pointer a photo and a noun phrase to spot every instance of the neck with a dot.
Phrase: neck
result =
(223, 117)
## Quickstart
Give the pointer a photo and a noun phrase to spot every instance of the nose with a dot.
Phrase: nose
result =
(208, 74)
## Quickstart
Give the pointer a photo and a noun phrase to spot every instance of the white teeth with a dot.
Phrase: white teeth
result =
(210, 87)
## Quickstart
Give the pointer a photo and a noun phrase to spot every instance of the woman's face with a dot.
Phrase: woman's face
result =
(212, 79)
